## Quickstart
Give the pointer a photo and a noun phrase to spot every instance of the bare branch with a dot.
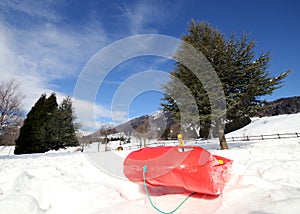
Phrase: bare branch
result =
(10, 103)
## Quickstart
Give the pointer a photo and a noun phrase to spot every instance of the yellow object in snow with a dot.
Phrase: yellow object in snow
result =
(221, 161)
(181, 143)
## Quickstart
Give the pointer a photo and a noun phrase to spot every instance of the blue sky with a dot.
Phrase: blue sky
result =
(46, 45)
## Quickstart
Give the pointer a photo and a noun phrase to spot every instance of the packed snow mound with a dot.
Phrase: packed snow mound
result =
(25, 204)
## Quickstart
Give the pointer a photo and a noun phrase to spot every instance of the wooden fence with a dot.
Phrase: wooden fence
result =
(264, 137)
(229, 139)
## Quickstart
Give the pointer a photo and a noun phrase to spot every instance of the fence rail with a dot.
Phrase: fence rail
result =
(153, 144)
(264, 137)
(229, 139)
(165, 143)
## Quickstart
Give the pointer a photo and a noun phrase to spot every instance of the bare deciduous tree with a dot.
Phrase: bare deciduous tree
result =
(10, 106)
(105, 131)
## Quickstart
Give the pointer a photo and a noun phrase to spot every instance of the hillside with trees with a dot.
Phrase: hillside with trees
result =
(288, 105)
(168, 128)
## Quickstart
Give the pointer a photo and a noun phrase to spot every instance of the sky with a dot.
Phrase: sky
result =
(73, 47)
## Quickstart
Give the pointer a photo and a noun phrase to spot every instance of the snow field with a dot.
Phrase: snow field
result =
(60, 183)
(265, 178)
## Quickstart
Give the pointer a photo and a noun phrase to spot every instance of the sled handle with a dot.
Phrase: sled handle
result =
(204, 155)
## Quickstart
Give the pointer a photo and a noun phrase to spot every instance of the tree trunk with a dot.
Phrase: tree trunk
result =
(106, 141)
(221, 133)
(223, 143)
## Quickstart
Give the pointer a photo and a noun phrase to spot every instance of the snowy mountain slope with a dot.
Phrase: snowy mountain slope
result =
(286, 123)
(265, 178)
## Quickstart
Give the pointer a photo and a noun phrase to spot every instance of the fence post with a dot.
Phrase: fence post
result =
(278, 136)
(233, 139)
(262, 137)
(247, 138)
(297, 134)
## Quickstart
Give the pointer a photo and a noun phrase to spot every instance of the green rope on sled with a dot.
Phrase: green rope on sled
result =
(149, 198)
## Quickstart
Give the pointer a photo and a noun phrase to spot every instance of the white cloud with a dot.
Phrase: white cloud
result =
(36, 9)
(94, 114)
(147, 15)
(38, 47)
(41, 51)
(51, 52)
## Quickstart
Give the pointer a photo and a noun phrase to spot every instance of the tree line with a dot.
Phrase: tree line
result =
(48, 126)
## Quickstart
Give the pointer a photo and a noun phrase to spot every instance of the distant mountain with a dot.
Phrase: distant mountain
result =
(157, 125)
(289, 105)
(162, 125)
(148, 126)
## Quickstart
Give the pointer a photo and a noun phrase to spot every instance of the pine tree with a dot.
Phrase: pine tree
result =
(245, 78)
(32, 133)
(67, 128)
(47, 126)
(51, 123)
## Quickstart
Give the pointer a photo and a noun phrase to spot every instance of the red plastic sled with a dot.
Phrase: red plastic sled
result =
(190, 167)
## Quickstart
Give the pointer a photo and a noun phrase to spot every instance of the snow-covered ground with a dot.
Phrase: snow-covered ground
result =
(287, 123)
(265, 178)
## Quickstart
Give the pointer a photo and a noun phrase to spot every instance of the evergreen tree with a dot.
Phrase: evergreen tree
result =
(245, 78)
(32, 133)
(51, 123)
(67, 128)
(46, 127)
